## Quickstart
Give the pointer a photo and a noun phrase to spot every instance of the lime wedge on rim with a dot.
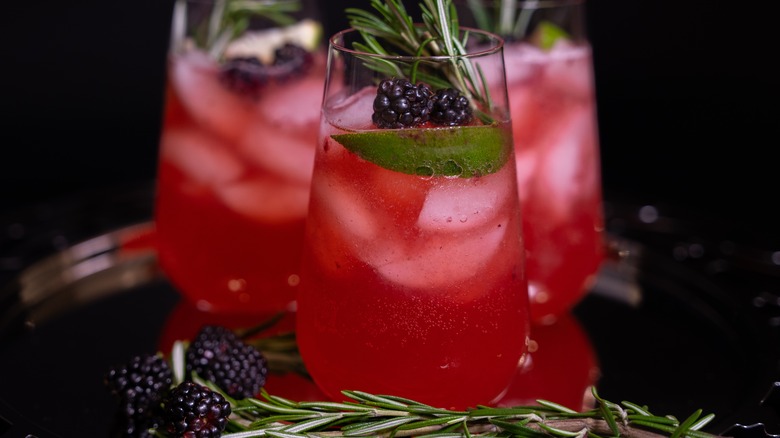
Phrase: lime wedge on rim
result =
(464, 151)
(547, 34)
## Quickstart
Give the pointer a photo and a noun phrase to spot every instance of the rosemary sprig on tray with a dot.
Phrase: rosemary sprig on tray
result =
(392, 32)
(391, 416)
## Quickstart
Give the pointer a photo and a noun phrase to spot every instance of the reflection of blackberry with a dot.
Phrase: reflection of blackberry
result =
(401, 104)
(245, 76)
(218, 355)
(450, 108)
(192, 410)
(139, 385)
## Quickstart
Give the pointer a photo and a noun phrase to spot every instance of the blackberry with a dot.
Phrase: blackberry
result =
(218, 355)
(450, 108)
(291, 60)
(139, 385)
(401, 104)
(195, 411)
(245, 75)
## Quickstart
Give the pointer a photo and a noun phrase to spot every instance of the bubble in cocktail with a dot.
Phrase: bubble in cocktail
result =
(236, 152)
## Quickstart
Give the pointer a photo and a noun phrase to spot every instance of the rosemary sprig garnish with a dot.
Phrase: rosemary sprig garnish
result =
(392, 32)
(510, 17)
(230, 18)
(391, 416)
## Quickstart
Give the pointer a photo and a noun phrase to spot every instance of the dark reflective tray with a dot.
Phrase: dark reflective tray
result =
(676, 321)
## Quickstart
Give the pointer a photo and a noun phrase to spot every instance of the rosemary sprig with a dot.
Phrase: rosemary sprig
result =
(391, 31)
(509, 17)
(230, 18)
(391, 416)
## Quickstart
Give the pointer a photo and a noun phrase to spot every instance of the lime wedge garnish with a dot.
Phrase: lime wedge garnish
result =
(547, 34)
(464, 151)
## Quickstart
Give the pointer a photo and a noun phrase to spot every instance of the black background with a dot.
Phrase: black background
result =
(687, 97)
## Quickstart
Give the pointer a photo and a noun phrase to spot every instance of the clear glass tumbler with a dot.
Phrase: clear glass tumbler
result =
(551, 92)
(244, 88)
(413, 280)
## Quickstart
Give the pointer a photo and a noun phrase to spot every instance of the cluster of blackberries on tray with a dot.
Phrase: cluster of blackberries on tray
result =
(219, 356)
(139, 386)
(401, 104)
(192, 410)
(248, 75)
(149, 400)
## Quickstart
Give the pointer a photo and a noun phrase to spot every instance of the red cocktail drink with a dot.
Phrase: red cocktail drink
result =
(559, 178)
(236, 152)
(413, 281)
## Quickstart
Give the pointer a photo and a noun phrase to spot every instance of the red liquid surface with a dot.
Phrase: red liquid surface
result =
(559, 178)
(407, 292)
(233, 186)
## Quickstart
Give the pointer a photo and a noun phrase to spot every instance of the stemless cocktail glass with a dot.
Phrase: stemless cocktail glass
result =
(551, 93)
(236, 151)
(412, 282)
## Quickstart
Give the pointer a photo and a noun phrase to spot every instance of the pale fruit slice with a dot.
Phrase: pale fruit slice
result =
(464, 151)
(262, 43)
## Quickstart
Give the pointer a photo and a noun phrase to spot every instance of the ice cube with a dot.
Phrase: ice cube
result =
(526, 162)
(200, 156)
(281, 150)
(569, 70)
(459, 204)
(438, 261)
(351, 215)
(294, 105)
(195, 80)
(522, 62)
(351, 112)
(568, 165)
(266, 199)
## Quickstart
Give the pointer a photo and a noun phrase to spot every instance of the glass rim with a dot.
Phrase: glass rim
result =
(494, 49)
(535, 4)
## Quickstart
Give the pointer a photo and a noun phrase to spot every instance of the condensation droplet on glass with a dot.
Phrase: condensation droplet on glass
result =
(294, 280)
